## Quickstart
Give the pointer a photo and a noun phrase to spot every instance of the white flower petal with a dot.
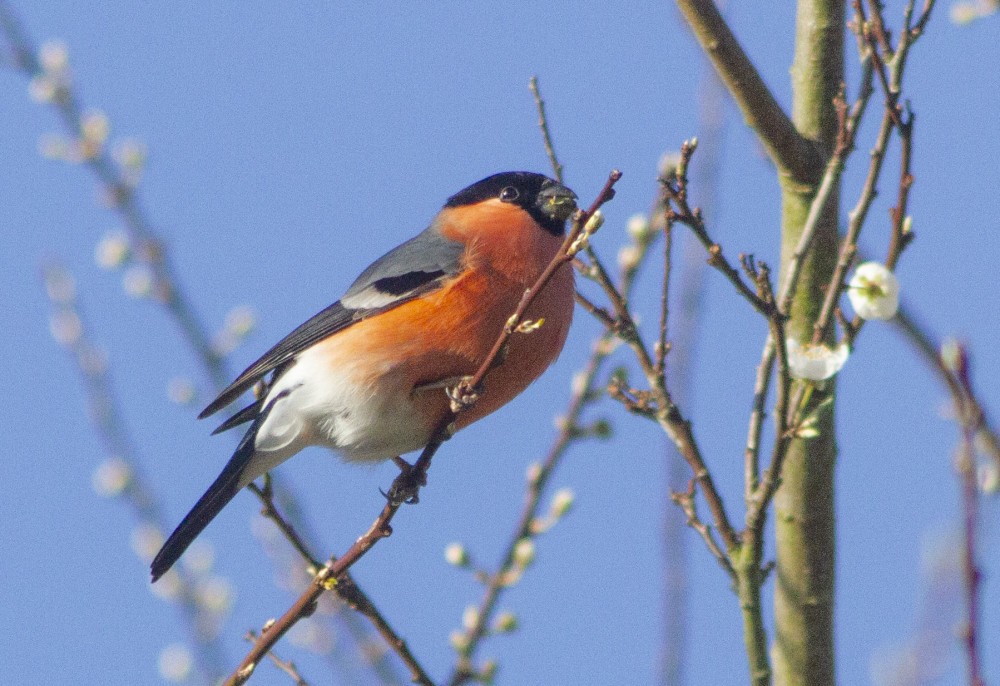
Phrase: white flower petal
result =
(815, 362)
(874, 291)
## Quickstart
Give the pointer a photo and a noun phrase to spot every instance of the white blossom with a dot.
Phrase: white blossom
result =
(815, 362)
(874, 291)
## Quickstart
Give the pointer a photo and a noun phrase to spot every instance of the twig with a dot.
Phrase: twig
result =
(892, 118)
(660, 350)
(406, 486)
(901, 236)
(685, 500)
(543, 124)
(675, 190)
(270, 511)
(584, 392)
(288, 667)
(403, 488)
(788, 149)
(663, 410)
(929, 348)
(956, 360)
(347, 588)
(599, 313)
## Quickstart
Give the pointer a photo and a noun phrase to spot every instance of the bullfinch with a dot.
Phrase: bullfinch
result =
(366, 376)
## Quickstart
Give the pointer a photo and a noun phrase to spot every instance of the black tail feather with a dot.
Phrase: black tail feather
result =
(247, 414)
(216, 497)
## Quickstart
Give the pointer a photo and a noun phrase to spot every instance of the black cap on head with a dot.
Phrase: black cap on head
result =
(547, 201)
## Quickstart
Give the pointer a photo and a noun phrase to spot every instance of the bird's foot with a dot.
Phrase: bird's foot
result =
(407, 485)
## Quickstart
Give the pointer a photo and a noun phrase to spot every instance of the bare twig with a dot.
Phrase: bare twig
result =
(543, 124)
(347, 588)
(406, 486)
(270, 511)
(660, 351)
(893, 118)
(675, 190)
(901, 235)
(657, 403)
(286, 666)
(685, 500)
(955, 359)
(928, 348)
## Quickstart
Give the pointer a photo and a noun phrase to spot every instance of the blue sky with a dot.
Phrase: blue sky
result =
(290, 146)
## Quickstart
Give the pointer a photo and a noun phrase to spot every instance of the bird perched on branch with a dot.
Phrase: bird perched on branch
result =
(366, 377)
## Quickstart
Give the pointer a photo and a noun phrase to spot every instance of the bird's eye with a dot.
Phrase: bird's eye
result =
(509, 194)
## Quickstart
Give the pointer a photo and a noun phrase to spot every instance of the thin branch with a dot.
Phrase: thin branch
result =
(972, 574)
(403, 488)
(955, 360)
(543, 124)
(901, 236)
(407, 485)
(662, 409)
(599, 313)
(288, 667)
(685, 500)
(929, 349)
(675, 190)
(660, 351)
(347, 588)
(270, 511)
(793, 154)
(891, 75)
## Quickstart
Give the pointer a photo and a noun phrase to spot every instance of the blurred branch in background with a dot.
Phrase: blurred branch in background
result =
(955, 359)
(204, 599)
(928, 347)
(151, 275)
(51, 84)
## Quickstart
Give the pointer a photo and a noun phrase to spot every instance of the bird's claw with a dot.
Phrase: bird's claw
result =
(462, 397)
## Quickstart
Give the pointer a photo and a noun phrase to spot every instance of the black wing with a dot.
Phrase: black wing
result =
(417, 266)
